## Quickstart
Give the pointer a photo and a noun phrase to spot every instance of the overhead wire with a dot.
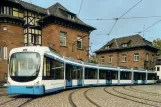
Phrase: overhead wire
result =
(151, 26)
(135, 17)
(80, 7)
(130, 9)
(112, 27)
(123, 15)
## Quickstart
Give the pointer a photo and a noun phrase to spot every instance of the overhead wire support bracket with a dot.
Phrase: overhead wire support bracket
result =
(123, 15)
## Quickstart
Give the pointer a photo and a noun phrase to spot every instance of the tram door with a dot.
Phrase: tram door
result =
(143, 78)
(68, 76)
(79, 76)
(108, 78)
(135, 78)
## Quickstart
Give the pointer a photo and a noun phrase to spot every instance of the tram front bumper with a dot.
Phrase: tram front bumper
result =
(32, 90)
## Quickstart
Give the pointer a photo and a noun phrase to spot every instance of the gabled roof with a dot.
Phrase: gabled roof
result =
(56, 10)
(131, 41)
(28, 6)
(33, 7)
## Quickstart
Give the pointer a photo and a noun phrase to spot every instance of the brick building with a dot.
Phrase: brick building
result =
(131, 52)
(25, 24)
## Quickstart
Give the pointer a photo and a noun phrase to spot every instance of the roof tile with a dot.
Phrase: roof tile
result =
(132, 41)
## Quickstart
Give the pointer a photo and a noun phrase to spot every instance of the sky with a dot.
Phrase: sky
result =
(110, 9)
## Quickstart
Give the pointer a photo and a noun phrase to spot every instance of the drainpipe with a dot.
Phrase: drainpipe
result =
(117, 59)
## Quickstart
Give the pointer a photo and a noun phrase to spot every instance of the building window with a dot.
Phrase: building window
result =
(124, 45)
(5, 10)
(107, 47)
(73, 18)
(110, 59)
(63, 38)
(69, 16)
(15, 12)
(147, 57)
(25, 38)
(123, 58)
(79, 42)
(5, 76)
(102, 60)
(32, 37)
(5, 52)
(18, 13)
(158, 68)
(152, 58)
(1, 52)
(136, 57)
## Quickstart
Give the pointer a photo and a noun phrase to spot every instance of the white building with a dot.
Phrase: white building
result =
(158, 71)
(158, 68)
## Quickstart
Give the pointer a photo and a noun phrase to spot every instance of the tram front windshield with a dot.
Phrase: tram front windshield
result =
(24, 64)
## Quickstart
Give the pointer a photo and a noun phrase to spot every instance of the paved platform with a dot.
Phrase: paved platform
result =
(110, 96)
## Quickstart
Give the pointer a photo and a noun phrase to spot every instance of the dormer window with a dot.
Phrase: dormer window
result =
(70, 17)
(107, 47)
(124, 45)
(73, 18)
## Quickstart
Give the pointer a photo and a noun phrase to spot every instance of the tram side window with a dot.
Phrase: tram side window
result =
(80, 72)
(46, 70)
(102, 74)
(47, 67)
(125, 75)
(53, 69)
(90, 73)
(73, 72)
(141, 76)
(57, 69)
(135, 76)
(151, 76)
(114, 75)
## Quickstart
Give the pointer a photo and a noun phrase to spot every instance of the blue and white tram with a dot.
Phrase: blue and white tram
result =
(108, 75)
(40, 70)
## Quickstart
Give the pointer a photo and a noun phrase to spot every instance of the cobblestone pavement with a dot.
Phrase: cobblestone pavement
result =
(110, 96)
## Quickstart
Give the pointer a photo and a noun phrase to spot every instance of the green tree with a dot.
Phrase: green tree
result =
(157, 44)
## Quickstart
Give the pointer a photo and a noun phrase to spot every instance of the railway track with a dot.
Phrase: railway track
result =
(136, 96)
(1, 104)
(90, 100)
(130, 98)
(140, 91)
(71, 99)
(27, 102)
(73, 104)
(2, 95)
(157, 94)
(17, 98)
